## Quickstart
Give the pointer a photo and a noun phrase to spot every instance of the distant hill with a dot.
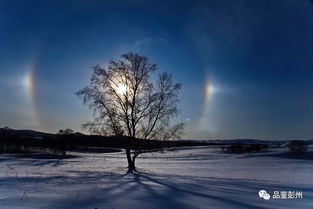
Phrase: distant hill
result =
(29, 133)
(27, 140)
(24, 133)
(38, 134)
(246, 141)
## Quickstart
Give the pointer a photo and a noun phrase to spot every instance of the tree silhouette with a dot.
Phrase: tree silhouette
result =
(65, 131)
(126, 102)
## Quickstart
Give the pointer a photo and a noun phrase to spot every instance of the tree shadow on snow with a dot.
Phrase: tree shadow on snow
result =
(147, 190)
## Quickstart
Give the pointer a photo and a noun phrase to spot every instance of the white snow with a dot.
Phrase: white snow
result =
(199, 177)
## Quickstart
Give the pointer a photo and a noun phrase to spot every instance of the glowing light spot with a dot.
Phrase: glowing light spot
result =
(205, 122)
(121, 89)
(208, 92)
(27, 86)
(28, 83)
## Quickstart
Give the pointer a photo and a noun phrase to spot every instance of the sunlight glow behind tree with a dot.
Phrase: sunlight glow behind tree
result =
(126, 102)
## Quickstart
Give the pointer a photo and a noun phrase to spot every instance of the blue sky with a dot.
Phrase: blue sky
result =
(256, 56)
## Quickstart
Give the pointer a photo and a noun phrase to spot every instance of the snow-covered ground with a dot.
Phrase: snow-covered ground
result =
(201, 177)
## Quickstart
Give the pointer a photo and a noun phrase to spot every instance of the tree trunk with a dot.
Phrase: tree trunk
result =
(134, 159)
(131, 163)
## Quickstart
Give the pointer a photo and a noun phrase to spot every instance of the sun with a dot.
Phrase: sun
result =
(121, 89)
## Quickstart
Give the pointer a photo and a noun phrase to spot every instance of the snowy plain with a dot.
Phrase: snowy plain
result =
(184, 178)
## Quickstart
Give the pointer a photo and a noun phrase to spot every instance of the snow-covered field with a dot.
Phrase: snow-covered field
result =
(201, 177)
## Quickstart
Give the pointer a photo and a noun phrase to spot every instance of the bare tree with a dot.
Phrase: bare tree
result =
(125, 101)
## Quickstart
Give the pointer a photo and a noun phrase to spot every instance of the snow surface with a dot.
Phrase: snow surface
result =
(198, 177)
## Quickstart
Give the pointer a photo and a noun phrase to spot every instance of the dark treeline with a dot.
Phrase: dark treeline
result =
(12, 142)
